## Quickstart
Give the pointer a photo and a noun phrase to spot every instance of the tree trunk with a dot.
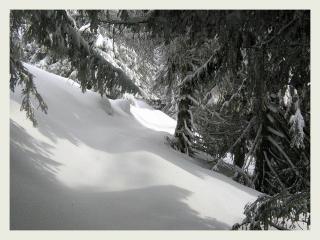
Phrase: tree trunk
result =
(182, 136)
(239, 153)
(261, 167)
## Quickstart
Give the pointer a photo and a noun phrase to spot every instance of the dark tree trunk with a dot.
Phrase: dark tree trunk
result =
(239, 153)
(261, 168)
(181, 135)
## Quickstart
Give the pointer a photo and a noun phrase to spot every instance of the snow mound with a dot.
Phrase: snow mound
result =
(121, 106)
(94, 163)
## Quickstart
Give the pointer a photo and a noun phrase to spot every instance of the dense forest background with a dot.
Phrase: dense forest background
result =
(237, 82)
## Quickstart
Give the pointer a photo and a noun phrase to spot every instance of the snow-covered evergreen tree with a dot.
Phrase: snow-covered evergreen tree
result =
(238, 82)
(62, 39)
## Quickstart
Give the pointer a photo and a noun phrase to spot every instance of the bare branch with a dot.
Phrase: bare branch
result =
(253, 148)
(235, 143)
(126, 22)
(272, 169)
(279, 32)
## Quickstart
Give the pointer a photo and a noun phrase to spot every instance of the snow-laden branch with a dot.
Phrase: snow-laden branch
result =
(91, 51)
(129, 21)
(212, 64)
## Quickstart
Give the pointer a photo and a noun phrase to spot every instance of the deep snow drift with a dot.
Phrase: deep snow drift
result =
(98, 164)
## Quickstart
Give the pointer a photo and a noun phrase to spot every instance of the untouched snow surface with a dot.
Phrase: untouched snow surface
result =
(97, 164)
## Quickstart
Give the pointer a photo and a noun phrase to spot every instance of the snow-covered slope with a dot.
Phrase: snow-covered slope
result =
(97, 164)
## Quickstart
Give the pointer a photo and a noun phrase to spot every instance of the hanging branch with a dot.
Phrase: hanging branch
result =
(271, 39)
(125, 22)
(234, 144)
(234, 167)
(284, 154)
(211, 65)
(273, 171)
(285, 27)
(115, 73)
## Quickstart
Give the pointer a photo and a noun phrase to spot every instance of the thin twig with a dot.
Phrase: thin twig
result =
(272, 169)
(254, 147)
(234, 144)
(279, 32)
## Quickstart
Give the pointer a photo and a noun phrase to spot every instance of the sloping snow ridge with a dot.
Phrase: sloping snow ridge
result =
(94, 163)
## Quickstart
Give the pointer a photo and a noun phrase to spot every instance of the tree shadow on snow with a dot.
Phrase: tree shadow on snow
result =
(152, 208)
(104, 133)
(39, 201)
(99, 130)
(26, 150)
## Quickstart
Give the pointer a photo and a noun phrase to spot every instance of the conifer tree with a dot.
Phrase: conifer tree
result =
(240, 80)
(57, 31)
